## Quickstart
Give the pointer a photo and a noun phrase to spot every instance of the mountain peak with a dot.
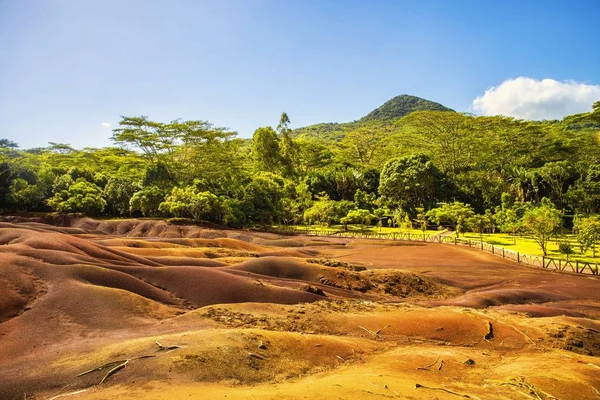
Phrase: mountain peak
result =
(402, 105)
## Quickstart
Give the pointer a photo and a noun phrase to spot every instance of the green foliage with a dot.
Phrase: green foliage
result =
(26, 196)
(261, 202)
(542, 223)
(265, 150)
(411, 182)
(358, 216)
(81, 196)
(565, 248)
(147, 201)
(455, 215)
(402, 105)
(189, 202)
(327, 211)
(410, 155)
(588, 232)
(118, 192)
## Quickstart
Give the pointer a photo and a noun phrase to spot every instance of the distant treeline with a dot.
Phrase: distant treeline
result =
(397, 170)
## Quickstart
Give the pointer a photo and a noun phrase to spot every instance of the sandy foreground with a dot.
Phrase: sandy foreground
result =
(146, 310)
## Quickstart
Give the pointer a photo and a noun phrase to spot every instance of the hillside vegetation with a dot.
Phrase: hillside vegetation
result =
(432, 166)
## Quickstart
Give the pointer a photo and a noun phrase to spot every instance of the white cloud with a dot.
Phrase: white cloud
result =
(106, 124)
(527, 98)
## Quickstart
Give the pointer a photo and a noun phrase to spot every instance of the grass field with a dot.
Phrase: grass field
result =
(526, 245)
(523, 244)
(353, 228)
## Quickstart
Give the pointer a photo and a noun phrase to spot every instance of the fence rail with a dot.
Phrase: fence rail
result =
(542, 262)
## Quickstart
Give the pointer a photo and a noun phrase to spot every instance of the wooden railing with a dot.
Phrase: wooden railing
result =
(543, 262)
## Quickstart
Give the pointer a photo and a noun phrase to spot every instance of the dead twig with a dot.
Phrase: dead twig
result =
(441, 365)
(257, 356)
(370, 332)
(466, 396)
(66, 394)
(113, 371)
(380, 330)
(426, 368)
(162, 347)
(100, 368)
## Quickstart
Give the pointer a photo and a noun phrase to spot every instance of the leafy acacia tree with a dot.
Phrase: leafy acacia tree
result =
(363, 145)
(542, 223)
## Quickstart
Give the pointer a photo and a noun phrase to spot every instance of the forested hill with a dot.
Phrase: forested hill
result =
(402, 105)
(385, 114)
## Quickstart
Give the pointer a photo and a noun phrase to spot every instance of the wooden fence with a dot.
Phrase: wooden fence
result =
(576, 266)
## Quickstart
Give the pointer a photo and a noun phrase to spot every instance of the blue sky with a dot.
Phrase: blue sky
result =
(68, 66)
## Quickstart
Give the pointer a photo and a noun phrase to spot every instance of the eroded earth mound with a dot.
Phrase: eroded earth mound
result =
(151, 310)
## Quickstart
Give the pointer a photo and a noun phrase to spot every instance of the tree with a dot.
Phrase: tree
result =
(565, 248)
(147, 201)
(262, 199)
(478, 224)
(421, 220)
(26, 196)
(190, 202)
(117, 193)
(149, 136)
(542, 223)
(361, 145)
(358, 216)
(556, 175)
(446, 135)
(265, 150)
(453, 214)
(364, 200)
(82, 196)
(411, 182)
(588, 232)
(289, 149)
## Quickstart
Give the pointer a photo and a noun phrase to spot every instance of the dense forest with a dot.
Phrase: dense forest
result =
(411, 162)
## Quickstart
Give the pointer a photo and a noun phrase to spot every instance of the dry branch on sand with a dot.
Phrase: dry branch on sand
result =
(120, 364)
(427, 368)
(375, 334)
(466, 396)
(532, 391)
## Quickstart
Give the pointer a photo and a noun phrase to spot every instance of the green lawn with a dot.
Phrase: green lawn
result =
(354, 228)
(527, 245)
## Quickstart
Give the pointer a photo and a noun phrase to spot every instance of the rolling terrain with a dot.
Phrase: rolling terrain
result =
(150, 310)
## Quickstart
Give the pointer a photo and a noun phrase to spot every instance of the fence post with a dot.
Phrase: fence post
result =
(543, 262)
(559, 264)
(518, 258)
(577, 266)
(493, 249)
(481, 245)
(455, 240)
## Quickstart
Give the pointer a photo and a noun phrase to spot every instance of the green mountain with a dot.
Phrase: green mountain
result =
(402, 105)
(391, 110)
